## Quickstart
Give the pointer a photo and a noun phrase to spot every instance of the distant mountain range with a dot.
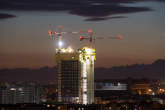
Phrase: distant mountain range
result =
(156, 70)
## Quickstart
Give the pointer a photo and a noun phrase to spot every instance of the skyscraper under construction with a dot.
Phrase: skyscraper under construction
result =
(75, 75)
(76, 69)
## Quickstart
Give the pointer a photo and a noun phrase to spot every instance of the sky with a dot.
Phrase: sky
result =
(24, 25)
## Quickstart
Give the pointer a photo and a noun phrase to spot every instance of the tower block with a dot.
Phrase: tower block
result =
(76, 75)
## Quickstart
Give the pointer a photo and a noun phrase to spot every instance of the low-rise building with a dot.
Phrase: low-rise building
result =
(20, 93)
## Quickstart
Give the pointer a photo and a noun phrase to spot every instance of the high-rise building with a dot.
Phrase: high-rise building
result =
(75, 75)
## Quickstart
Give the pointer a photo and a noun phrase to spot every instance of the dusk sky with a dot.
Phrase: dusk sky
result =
(24, 25)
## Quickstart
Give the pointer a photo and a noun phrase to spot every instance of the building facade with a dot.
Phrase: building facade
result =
(75, 75)
(20, 93)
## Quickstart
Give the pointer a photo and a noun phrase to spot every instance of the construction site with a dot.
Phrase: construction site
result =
(75, 69)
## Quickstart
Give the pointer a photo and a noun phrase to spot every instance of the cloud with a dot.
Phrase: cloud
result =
(5, 16)
(104, 18)
(93, 9)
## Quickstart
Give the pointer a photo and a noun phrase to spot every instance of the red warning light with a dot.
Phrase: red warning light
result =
(50, 32)
(81, 38)
(119, 36)
(90, 31)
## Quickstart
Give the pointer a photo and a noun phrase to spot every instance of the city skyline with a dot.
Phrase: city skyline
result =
(24, 40)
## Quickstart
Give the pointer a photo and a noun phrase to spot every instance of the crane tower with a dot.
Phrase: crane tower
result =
(75, 70)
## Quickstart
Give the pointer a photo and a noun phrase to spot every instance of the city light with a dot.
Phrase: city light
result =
(69, 49)
(60, 43)
(63, 50)
(88, 50)
(48, 105)
(84, 85)
(12, 89)
(149, 90)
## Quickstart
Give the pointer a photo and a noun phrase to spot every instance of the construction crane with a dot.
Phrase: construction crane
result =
(91, 38)
(59, 33)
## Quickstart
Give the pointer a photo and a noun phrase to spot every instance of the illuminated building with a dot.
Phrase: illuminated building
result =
(20, 93)
(75, 75)
(141, 89)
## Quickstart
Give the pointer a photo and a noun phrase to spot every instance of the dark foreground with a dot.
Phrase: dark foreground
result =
(110, 106)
